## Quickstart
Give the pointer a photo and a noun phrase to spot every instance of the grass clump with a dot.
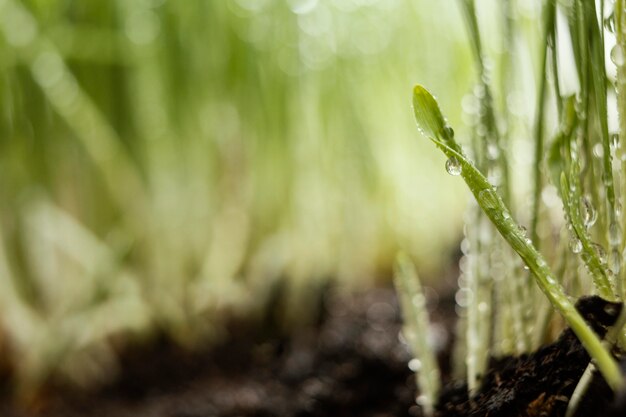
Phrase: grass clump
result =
(578, 172)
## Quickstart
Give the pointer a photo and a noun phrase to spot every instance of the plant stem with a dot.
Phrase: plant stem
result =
(425, 107)
(416, 322)
(548, 26)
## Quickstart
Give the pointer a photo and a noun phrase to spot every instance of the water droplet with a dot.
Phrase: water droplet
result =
(617, 55)
(615, 234)
(479, 90)
(421, 400)
(419, 301)
(590, 215)
(576, 245)
(526, 268)
(611, 309)
(609, 23)
(463, 297)
(598, 150)
(494, 176)
(448, 132)
(488, 199)
(453, 166)
(493, 152)
(600, 252)
(615, 140)
(618, 208)
(415, 364)
(523, 230)
(615, 261)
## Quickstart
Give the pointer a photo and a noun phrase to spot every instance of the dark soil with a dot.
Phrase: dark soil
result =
(541, 384)
(350, 364)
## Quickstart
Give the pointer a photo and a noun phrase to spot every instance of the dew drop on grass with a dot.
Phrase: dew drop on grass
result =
(492, 151)
(611, 310)
(590, 215)
(576, 245)
(488, 199)
(615, 234)
(598, 150)
(600, 252)
(609, 23)
(615, 140)
(617, 55)
(618, 208)
(449, 132)
(453, 166)
(615, 261)
(415, 365)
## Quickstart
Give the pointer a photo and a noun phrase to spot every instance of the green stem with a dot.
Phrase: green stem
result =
(429, 117)
(548, 17)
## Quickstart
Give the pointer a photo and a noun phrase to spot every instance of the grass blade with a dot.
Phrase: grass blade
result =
(499, 214)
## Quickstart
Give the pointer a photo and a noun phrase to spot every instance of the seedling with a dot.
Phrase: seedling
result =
(582, 164)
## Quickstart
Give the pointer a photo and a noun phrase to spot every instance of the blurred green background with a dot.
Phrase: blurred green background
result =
(165, 164)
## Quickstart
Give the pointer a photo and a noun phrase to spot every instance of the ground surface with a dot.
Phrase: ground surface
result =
(351, 364)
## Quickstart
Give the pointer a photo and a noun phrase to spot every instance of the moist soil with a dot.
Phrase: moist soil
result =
(351, 363)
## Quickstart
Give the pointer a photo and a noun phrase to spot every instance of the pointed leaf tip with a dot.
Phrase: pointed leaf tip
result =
(427, 114)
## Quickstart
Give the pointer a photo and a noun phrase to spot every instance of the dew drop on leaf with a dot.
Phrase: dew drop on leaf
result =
(617, 55)
(600, 252)
(590, 215)
(615, 140)
(576, 245)
(615, 234)
(453, 166)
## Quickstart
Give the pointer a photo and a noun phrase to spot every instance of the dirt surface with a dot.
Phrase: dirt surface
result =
(541, 383)
(351, 364)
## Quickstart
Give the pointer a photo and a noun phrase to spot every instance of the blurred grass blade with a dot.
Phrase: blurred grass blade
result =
(416, 331)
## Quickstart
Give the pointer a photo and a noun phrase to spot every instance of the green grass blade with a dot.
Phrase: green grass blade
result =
(498, 213)
(416, 321)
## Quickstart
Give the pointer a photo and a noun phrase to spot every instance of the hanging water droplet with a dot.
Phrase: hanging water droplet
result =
(453, 166)
(590, 215)
(618, 208)
(600, 252)
(617, 55)
(576, 245)
(523, 230)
